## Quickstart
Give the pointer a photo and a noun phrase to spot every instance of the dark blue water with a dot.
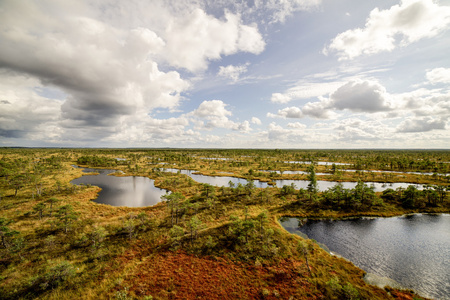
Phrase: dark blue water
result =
(131, 191)
(412, 250)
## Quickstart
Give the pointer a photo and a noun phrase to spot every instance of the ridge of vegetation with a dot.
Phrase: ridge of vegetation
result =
(201, 241)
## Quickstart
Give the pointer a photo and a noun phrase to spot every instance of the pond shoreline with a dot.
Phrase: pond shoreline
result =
(402, 261)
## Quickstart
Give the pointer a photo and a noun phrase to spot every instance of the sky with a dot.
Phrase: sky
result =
(225, 74)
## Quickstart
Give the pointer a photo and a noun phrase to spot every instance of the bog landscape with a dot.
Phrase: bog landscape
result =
(222, 224)
(199, 149)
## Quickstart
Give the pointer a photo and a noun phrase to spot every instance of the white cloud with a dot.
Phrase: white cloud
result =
(290, 136)
(357, 96)
(196, 38)
(280, 98)
(232, 72)
(276, 132)
(421, 125)
(24, 113)
(354, 129)
(106, 72)
(290, 112)
(243, 127)
(107, 58)
(216, 115)
(385, 30)
(306, 90)
(285, 8)
(141, 130)
(318, 110)
(439, 75)
(256, 121)
(361, 96)
(296, 125)
(212, 108)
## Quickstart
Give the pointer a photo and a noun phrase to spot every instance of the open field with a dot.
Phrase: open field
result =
(203, 241)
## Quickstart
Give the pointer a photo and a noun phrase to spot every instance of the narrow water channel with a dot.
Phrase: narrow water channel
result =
(322, 184)
(412, 250)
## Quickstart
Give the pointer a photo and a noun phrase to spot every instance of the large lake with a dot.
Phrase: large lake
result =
(412, 250)
(131, 191)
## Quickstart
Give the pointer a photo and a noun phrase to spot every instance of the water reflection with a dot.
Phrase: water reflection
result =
(131, 191)
(412, 250)
(322, 184)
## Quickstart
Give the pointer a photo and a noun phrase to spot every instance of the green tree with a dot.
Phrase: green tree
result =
(66, 217)
(130, 225)
(440, 189)
(208, 190)
(52, 201)
(250, 187)
(57, 275)
(6, 233)
(194, 225)
(17, 182)
(409, 196)
(39, 209)
(97, 236)
(176, 234)
(174, 200)
(362, 194)
(304, 248)
(312, 187)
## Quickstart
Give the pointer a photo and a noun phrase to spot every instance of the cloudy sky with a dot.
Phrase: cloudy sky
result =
(225, 74)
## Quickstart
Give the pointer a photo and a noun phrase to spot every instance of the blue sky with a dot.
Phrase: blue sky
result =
(220, 74)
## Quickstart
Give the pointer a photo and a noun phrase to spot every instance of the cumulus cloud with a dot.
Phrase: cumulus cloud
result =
(361, 96)
(276, 132)
(266, 11)
(280, 98)
(256, 121)
(107, 58)
(293, 134)
(306, 90)
(23, 112)
(107, 72)
(290, 112)
(243, 127)
(142, 129)
(233, 72)
(296, 125)
(212, 108)
(421, 125)
(438, 75)
(365, 96)
(319, 110)
(196, 38)
(354, 129)
(283, 9)
(385, 30)
(214, 114)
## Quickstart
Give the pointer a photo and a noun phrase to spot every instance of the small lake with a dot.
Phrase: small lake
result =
(131, 191)
(322, 184)
(412, 250)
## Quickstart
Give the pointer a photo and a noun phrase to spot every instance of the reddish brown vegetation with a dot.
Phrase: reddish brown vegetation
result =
(183, 276)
